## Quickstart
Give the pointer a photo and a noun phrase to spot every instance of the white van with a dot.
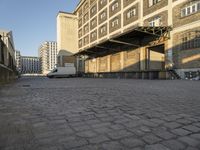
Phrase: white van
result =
(67, 71)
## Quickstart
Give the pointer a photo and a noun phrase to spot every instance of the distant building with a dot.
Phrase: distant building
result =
(30, 65)
(48, 56)
(67, 37)
(18, 60)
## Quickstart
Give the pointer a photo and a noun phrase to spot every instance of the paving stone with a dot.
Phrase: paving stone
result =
(196, 136)
(192, 128)
(157, 121)
(132, 142)
(148, 123)
(74, 119)
(137, 132)
(165, 134)
(64, 132)
(81, 128)
(151, 139)
(156, 147)
(191, 148)
(75, 143)
(49, 148)
(193, 119)
(172, 125)
(89, 147)
(94, 122)
(137, 148)
(65, 138)
(184, 121)
(190, 141)
(102, 115)
(132, 124)
(106, 119)
(145, 129)
(197, 124)
(98, 139)
(172, 117)
(99, 125)
(133, 117)
(103, 130)
(44, 135)
(174, 144)
(87, 134)
(122, 121)
(119, 134)
(116, 127)
(112, 146)
(180, 131)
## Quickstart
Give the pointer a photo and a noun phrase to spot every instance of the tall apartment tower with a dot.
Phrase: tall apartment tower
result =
(18, 60)
(139, 38)
(48, 56)
(30, 65)
(67, 37)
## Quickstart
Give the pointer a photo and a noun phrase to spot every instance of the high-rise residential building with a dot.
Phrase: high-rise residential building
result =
(67, 37)
(139, 38)
(18, 60)
(30, 65)
(48, 56)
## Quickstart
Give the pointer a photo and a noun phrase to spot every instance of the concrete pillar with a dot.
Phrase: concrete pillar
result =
(109, 63)
(97, 65)
(142, 58)
(122, 60)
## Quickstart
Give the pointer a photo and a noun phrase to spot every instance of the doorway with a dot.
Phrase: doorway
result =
(155, 57)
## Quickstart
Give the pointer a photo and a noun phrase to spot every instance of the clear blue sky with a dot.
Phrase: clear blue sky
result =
(32, 21)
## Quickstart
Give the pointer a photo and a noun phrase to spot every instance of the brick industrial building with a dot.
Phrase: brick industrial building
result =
(139, 38)
(7, 57)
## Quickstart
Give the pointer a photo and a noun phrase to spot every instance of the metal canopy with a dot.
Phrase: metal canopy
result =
(133, 38)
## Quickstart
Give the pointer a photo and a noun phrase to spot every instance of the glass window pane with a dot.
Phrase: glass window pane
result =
(198, 6)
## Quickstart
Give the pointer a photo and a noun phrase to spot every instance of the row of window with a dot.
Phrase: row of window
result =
(190, 9)
(190, 40)
(86, 6)
(114, 23)
(113, 7)
(153, 2)
(129, 14)
(157, 21)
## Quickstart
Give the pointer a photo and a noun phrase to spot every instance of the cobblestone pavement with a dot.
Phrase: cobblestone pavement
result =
(99, 114)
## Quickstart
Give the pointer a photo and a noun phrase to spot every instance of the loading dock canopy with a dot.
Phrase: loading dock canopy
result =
(134, 38)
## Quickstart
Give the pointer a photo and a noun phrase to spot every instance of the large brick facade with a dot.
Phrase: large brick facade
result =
(187, 54)
(153, 53)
